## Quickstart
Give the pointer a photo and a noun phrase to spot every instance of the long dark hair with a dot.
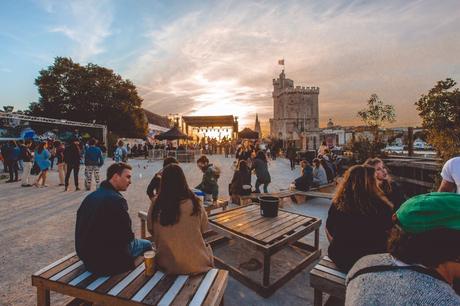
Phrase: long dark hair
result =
(243, 167)
(261, 155)
(41, 147)
(173, 190)
(359, 192)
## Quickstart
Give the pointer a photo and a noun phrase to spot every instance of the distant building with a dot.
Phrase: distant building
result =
(257, 127)
(295, 113)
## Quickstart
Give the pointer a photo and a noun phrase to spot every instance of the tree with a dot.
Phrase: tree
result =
(377, 114)
(440, 113)
(89, 93)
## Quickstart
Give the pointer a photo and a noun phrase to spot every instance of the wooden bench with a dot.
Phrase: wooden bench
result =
(254, 197)
(326, 277)
(68, 276)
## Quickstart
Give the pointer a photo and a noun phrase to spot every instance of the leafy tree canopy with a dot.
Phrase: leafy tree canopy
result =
(377, 113)
(440, 112)
(89, 93)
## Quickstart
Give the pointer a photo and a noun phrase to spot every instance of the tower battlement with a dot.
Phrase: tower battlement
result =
(312, 90)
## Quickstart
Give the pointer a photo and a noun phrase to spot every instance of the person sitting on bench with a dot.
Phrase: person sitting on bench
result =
(319, 174)
(177, 221)
(241, 182)
(359, 219)
(104, 240)
(304, 182)
(423, 260)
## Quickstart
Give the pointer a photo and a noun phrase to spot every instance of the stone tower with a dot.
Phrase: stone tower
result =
(257, 126)
(295, 113)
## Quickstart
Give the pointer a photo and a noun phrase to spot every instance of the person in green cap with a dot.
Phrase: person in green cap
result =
(423, 259)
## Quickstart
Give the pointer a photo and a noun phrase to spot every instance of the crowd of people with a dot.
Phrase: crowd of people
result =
(395, 250)
(36, 159)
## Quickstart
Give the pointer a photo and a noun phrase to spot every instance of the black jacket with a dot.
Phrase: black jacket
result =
(304, 182)
(103, 232)
(154, 184)
(72, 155)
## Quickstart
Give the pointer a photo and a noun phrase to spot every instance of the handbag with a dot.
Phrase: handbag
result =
(35, 169)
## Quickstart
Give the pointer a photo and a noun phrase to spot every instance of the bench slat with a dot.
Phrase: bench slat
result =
(112, 281)
(80, 278)
(66, 271)
(155, 295)
(202, 291)
(189, 290)
(54, 264)
(173, 291)
(330, 271)
(128, 279)
(140, 295)
(58, 268)
(216, 292)
(99, 281)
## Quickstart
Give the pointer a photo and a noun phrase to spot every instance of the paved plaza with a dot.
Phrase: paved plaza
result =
(37, 228)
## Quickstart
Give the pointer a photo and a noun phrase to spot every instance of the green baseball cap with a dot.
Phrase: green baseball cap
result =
(430, 211)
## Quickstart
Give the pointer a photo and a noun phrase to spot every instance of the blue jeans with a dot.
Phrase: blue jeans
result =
(138, 246)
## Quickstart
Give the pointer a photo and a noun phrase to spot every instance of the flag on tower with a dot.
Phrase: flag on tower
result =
(281, 62)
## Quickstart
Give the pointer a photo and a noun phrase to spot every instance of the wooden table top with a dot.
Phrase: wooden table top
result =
(247, 222)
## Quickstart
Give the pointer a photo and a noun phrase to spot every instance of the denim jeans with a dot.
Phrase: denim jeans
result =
(138, 246)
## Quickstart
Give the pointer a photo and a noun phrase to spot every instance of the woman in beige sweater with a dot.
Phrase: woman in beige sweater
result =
(177, 220)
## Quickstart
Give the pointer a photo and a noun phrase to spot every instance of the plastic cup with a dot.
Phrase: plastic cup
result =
(149, 260)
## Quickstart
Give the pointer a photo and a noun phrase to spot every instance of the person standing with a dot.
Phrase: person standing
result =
(120, 154)
(451, 176)
(104, 240)
(12, 156)
(26, 156)
(59, 155)
(260, 165)
(42, 158)
(3, 151)
(291, 155)
(72, 160)
(93, 162)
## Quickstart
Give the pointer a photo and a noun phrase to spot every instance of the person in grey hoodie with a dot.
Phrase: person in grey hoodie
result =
(423, 260)
(93, 162)
(319, 174)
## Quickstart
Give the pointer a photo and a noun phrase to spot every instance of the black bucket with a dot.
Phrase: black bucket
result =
(269, 206)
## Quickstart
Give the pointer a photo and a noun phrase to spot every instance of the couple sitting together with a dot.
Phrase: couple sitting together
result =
(394, 252)
(104, 239)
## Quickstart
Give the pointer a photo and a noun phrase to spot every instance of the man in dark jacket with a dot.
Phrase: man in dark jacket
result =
(104, 240)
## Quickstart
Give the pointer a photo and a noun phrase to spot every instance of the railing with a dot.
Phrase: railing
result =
(184, 156)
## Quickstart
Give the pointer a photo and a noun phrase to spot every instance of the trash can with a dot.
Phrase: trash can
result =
(269, 206)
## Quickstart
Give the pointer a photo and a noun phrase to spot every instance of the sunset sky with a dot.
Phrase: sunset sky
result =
(219, 57)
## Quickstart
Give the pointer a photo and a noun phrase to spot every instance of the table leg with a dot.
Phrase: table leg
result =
(266, 275)
(43, 297)
(318, 298)
(317, 239)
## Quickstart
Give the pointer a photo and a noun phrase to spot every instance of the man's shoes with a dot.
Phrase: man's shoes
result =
(77, 188)
(9, 181)
(61, 184)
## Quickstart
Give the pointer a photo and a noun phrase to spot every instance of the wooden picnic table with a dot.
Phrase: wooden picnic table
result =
(68, 276)
(269, 236)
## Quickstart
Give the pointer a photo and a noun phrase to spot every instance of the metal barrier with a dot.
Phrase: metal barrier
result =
(183, 156)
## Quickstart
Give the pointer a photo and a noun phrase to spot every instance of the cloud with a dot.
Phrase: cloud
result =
(86, 23)
(221, 58)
